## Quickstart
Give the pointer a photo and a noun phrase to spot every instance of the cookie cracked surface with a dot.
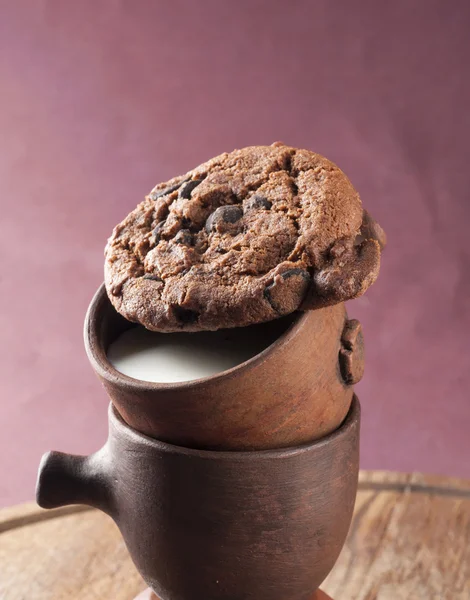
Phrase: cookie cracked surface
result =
(246, 237)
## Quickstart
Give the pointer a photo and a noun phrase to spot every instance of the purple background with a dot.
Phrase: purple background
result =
(101, 100)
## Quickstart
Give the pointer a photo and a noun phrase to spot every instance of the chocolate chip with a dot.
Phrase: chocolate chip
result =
(258, 202)
(184, 237)
(185, 315)
(152, 277)
(285, 297)
(231, 214)
(209, 223)
(346, 277)
(224, 214)
(186, 223)
(157, 232)
(168, 190)
(291, 272)
(186, 190)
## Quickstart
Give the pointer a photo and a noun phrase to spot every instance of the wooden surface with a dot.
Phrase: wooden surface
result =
(409, 540)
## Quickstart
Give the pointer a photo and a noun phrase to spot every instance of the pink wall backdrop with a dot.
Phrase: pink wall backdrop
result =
(101, 100)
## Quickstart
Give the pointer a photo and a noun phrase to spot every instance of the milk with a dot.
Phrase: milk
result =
(178, 357)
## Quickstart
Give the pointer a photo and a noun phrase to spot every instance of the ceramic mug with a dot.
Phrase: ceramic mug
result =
(297, 390)
(200, 524)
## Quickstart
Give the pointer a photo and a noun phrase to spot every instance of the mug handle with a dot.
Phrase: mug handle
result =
(65, 479)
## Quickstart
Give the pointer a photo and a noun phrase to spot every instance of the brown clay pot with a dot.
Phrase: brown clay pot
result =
(297, 390)
(262, 525)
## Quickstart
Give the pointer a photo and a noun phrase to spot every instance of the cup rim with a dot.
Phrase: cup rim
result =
(105, 370)
(351, 421)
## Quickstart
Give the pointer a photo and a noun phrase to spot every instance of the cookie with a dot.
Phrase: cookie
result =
(246, 237)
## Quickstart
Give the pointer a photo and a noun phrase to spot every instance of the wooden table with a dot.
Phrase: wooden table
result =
(409, 540)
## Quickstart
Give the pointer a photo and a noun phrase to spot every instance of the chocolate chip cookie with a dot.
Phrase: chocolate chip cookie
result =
(244, 238)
